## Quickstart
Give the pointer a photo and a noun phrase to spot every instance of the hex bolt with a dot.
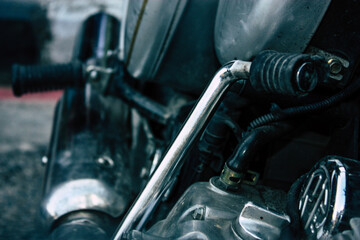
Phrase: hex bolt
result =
(335, 66)
(199, 213)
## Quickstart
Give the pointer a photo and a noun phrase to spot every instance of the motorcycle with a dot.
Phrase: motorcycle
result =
(212, 119)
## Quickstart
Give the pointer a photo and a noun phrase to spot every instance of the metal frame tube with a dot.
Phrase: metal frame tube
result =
(206, 105)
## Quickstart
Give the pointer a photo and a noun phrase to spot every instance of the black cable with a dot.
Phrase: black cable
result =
(310, 108)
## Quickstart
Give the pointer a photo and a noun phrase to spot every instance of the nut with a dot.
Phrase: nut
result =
(335, 66)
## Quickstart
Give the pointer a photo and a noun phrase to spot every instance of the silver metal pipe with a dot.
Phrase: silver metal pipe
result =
(173, 158)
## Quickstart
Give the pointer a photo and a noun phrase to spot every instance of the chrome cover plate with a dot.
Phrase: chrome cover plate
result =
(256, 222)
(206, 212)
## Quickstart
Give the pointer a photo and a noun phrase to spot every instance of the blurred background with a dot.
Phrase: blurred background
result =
(32, 32)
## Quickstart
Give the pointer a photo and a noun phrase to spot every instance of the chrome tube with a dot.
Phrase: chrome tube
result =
(173, 158)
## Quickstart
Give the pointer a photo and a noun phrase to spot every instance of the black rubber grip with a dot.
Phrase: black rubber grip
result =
(287, 74)
(40, 78)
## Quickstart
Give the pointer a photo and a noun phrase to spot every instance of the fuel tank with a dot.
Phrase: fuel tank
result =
(244, 28)
(171, 42)
(181, 43)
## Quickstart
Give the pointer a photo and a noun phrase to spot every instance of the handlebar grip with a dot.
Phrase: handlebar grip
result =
(39, 78)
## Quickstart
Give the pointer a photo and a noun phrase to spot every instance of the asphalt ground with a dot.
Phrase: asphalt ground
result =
(25, 127)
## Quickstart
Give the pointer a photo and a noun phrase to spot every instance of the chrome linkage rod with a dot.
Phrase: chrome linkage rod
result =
(173, 159)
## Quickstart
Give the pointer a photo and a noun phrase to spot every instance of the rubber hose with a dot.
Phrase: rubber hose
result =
(252, 142)
(146, 106)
